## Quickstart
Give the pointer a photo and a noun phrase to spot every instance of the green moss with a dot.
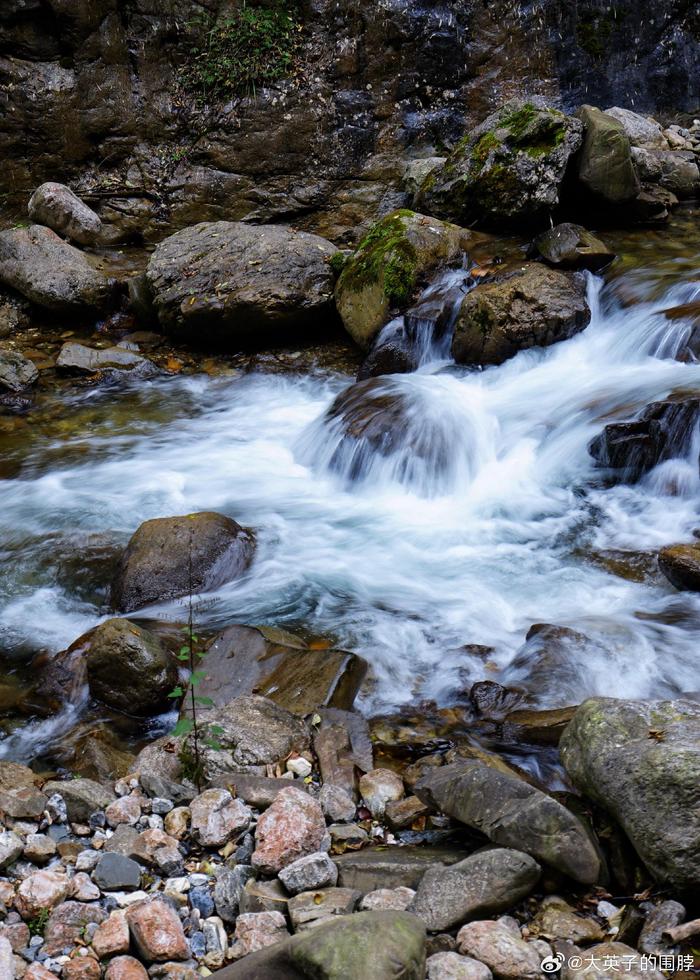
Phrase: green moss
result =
(384, 254)
(337, 262)
(482, 148)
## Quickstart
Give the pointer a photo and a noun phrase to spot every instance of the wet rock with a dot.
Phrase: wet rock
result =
(82, 796)
(661, 917)
(67, 924)
(569, 246)
(337, 804)
(641, 130)
(401, 814)
(501, 949)
(109, 361)
(630, 961)
(111, 936)
(51, 273)
(604, 165)
(11, 848)
(484, 884)
(16, 371)
(680, 563)
(378, 787)
(393, 867)
(391, 353)
(537, 727)
(57, 207)
(309, 908)
(557, 920)
(293, 827)
(217, 817)
(452, 966)
(663, 430)
(512, 813)
(508, 169)
(156, 931)
(41, 890)
(256, 930)
(242, 282)
(309, 872)
(395, 256)
(125, 968)
(624, 755)
(156, 563)
(114, 872)
(491, 700)
(679, 173)
(532, 307)
(385, 899)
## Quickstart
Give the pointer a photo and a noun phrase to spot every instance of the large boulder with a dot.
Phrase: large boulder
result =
(170, 557)
(663, 430)
(229, 282)
(642, 131)
(679, 172)
(508, 169)
(57, 207)
(680, 563)
(604, 166)
(128, 668)
(512, 813)
(51, 273)
(391, 261)
(640, 760)
(569, 246)
(531, 307)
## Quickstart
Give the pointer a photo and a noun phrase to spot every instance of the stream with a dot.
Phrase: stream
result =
(404, 561)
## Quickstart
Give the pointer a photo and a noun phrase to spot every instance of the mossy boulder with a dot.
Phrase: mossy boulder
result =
(391, 262)
(532, 307)
(604, 166)
(640, 760)
(509, 169)
(680, 563)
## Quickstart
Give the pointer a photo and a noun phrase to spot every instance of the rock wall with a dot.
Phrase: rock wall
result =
(90, 94)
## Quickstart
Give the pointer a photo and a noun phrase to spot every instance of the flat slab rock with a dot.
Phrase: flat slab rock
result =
(391, 867)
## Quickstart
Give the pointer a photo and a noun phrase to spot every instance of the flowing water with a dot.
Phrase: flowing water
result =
(507, 524)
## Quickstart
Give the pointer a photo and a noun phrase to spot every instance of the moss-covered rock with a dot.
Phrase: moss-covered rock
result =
(641, 761)
(604, 165)
(532, 307)
(391, 261)
(508, 169)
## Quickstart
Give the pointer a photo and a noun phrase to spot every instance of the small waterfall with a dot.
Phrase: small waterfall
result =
(34, 738)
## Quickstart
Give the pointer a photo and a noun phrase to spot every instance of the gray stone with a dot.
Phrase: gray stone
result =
(312, 871)
(383, 899)
(512, 813)
(257, 791)
(57, 207)
(11, 848)
(16, 371)
(82, 797)
(307, 908)
(569, 246)
(115, 872)
(641, 130)
(391, 867)
(499, 946)
(336, 803)
(484, 884)
(110, 361)
(264, 896)
(625, 755)
(228, 889)
(452, 966)
(7, 960)
(217, 817)
(663, 916)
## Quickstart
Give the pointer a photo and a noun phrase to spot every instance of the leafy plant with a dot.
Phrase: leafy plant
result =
(37, 925)
(250, 47)
(192, 653)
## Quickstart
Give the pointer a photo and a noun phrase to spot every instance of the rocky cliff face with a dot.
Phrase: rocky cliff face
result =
(92, 92)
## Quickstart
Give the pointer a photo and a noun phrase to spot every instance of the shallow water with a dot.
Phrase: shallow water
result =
(405, 565)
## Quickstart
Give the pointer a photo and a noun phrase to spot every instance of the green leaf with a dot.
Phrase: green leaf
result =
(202, 700)
(210, 743)
(184, 651)
(184, 657)
(183, 727)
(198, 674)
(176, 692)
(216, 730)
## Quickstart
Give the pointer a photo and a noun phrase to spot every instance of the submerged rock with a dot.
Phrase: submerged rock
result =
(508, 169)
(57, 207)
(640, 760)
(110, 361)
(169, 557)
(16, 371)
(532, 307)
(229, 282)
(680, 563)
(569, 246)
(391, 261)
(51, 273)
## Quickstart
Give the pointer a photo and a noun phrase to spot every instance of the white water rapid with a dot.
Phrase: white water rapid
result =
(400, 565)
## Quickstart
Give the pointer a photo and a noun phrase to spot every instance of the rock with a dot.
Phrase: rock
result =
(679, 173)
(393, 867)
(82, 797)
(309, 872)
(82, 968)
(67, 924)
(604, 165)
(568, 246)
(508, 169)
(41, 890)
(51, 273)
(624, 755)
(7, 962)
(156, 931)
(452, 966)
(532, 307)
(114, 872)
(396, 255)
(111, 936)
(293, 827)
(641, 130)
(217, 817)
(501, 949)
(264, 896)
(108, 361)
(385, 899)
(257, 791)
(243, 660)
(309, 908)
(126, 809)
(347, 836)
(537, 727)
(378, 787)
(647, 165)
(661, 917)
(17, 934)
(35, 971)
(512, 813)
(557, 920)
(256, 930)
(230, 282)
(157, 849)
(590, 965)
(402, 814)
(22, 803)
(228, 889)
(337, 804)
(177, 822)
(484, 884)
(57, 207)
(156, 563)
(663, 430)
(125, 968)
(16, 371)
(123, 840)
(342, 746)
(82, 889)
(680, 563)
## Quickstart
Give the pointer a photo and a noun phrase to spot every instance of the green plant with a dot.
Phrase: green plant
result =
(250, 47)
(192, 653)
(37, 925)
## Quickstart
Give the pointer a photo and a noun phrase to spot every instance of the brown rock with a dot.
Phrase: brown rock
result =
(400, 814)
(112, 936)
(67, 923)
(36, 971)
(41, 890)
(378, 787)
(680, 563)
(17, 933)
(177, 822)
(81, 968)
(125, 968)
(291, 828)
(156, 931)
(217, 817)
(125, 809)
(255, 930)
